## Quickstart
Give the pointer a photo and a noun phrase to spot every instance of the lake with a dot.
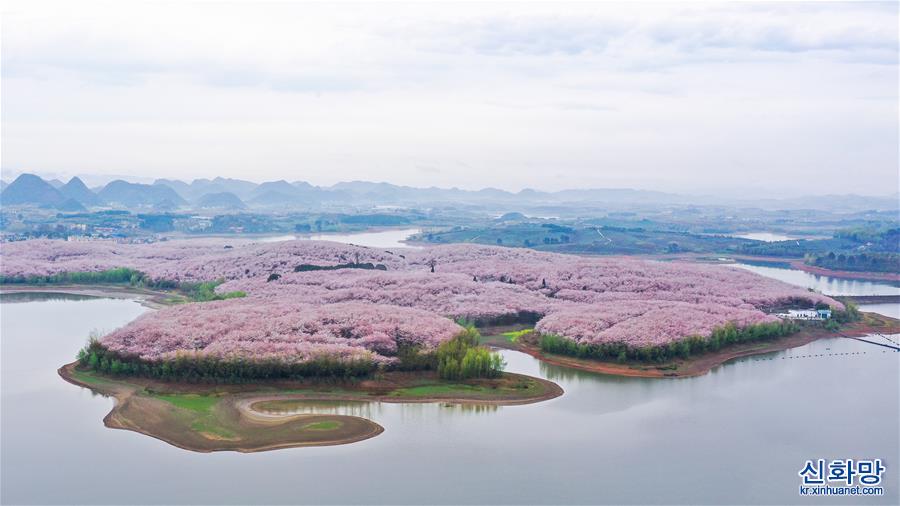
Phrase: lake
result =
(737, 435)
(764, 236)
(393, 238)
(826, 284)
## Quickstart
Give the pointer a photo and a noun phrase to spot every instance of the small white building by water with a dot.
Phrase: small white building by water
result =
(806, 314)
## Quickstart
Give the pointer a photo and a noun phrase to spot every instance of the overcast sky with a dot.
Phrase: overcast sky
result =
(736, 97)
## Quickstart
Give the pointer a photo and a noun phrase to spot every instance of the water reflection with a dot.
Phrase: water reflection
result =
(891, 309)
(300, 407)
(824, 284)
(765, 236)
(28, 296)
(367, 409)
(382, 239)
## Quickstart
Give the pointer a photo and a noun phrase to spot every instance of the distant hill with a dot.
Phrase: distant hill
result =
(31, 189)
(277, 199)
(76, 189)
(389, 193)
(140, 195)
(281, 186)
(172, 194)
(181, 188)
(200, 187)
(239, 187)
(284, 194)
(71, 206)
(222, 200)
(514, 216)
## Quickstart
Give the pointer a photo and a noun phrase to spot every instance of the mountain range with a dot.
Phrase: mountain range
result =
(235, 194)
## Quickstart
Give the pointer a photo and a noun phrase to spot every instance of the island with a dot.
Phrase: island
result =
(246, 325)
(251, 417)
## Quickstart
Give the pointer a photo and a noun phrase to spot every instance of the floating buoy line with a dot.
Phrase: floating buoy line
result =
(894, 346)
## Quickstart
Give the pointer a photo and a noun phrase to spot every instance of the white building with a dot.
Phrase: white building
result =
(806, 314)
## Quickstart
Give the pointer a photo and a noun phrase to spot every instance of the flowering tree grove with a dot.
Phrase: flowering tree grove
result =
(309, 301)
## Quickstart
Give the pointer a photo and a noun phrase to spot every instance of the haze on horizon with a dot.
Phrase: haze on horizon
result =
(747, 99)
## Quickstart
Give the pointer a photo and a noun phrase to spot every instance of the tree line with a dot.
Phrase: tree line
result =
(868, 262)
(683, 348)
(196, 368)
(197, 292)
(118, 276)
(457, 359)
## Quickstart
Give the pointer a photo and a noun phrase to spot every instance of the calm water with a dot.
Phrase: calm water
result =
(887, 309)
(825, 284)
(736, 435)
(765, 236)
(383, 239)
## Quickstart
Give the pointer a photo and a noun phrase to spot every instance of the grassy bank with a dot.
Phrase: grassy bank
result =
(122, 276)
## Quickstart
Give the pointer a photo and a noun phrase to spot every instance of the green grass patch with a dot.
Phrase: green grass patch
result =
(89, 377)
(514, 335)
(429, 390)
(192, 402)
(323, 425)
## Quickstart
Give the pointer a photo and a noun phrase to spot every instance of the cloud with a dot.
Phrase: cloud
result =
(671, 95)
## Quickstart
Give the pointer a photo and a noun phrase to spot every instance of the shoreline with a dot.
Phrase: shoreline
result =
(153, 299)
(257, 238)
(792, 262)
(703, 364)
(141, 406)
(124, 394)
(799, 264)
(694, 366)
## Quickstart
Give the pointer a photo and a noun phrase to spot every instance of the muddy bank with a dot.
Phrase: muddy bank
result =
(210, 417)
(215, 423)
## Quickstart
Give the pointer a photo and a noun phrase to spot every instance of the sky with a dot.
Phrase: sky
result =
(774, 99)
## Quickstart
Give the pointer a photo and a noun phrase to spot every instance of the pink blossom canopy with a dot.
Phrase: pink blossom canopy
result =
(588, 299)
(281, 329)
